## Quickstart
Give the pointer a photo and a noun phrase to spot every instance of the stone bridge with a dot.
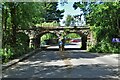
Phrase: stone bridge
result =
(37, 32)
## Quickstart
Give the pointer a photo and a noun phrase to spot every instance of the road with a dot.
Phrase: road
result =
(67, 64)
(72, 45)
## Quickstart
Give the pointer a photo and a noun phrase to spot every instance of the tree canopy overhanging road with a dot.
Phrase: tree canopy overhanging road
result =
(27, 26)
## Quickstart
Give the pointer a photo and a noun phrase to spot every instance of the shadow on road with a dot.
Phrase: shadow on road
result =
(49, 64)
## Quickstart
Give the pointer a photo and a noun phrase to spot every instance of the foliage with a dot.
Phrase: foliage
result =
(24, 15)
(69, 20)
(48, 36)
(105, 47)
(51, 13)
(22, 47)
(84, 7)
(49, 24)
(72, 35)
(73, 20)
(23, 41)
(6, 54)
(104, 20)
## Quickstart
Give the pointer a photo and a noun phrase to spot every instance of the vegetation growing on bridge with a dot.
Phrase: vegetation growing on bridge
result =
(48, 24)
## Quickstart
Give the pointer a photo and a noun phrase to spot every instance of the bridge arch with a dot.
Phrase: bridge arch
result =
(39, 35)
(51, 40)
(83, 38)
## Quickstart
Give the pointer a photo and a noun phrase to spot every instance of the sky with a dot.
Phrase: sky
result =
(69, 10)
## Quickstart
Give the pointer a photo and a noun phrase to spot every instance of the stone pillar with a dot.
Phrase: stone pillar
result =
(84, 42)
(63, 44)
(37, 42)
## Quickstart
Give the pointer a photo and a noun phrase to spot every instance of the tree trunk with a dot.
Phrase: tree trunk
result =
(84, 43)
(14, 26)
(3, 16)
(6, 19)
(118, 25)
(1, 32)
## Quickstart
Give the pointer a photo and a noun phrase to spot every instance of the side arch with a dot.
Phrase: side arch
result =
(83, 39)
(38, 37)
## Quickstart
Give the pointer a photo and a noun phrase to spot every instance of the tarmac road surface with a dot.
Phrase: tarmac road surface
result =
(66, 64)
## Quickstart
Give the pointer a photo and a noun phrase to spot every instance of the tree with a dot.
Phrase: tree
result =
(69, 20)
(24, 15)
(104, 20)
(51, 13)
(84, 7)
(1, 32)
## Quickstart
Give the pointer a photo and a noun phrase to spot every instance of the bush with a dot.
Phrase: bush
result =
(105, 47)
(22, 47)
(6, 54)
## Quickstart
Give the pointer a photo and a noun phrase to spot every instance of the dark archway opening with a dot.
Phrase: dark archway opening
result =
(46, 39)
(72, 41)
(49, 39)
(80, 38)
